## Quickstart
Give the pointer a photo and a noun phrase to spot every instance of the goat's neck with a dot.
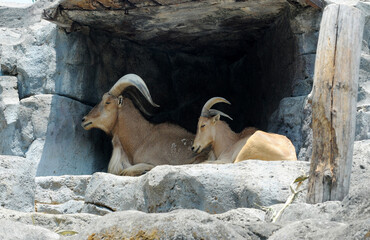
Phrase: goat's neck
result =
(131, 127)
(224, 139)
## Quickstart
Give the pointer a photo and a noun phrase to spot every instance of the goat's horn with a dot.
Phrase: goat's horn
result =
(131, 80)
(207, 111)
(214, 112)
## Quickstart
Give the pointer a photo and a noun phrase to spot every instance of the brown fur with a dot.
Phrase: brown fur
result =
(139, 145)
(251, 143)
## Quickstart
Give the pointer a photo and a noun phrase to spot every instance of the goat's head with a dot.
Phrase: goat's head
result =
(206, 130)
(104, 115)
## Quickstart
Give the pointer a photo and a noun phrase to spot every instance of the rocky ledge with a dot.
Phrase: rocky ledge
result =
(231, 201)
(184, 24)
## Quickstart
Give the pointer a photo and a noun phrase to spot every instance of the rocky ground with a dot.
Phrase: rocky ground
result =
(180, 202)
(42, 99)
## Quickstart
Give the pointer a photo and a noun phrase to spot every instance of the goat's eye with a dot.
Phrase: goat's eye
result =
(107, 103)
(202, 126)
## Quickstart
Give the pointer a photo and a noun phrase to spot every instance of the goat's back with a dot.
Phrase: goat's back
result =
(267, 146)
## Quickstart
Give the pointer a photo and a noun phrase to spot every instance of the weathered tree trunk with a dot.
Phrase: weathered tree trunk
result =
(334, 102)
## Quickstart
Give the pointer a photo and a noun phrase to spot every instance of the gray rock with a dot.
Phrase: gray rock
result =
(9, 107)
(178, 224)
(321, 229)
(287, 120)
(355, 206)
(249, 222)
(19, 231)
(60, 195)
(360, 167)
(310, 229)
(303, 78)
(356, 230)
(184, 28)
(69, 207)
(208, 187)
(305, 152)
(95, 209)
(47, 131)
(302, 211)
(17, 183)
(52, 222)
(362, 124)
(60, 189)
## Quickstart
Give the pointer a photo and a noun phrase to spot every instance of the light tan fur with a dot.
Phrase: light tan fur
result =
(251, 143)
(139, 145)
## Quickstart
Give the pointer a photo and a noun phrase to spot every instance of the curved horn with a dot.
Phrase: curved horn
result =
(131, 80)
(214, 112)
(207, 111)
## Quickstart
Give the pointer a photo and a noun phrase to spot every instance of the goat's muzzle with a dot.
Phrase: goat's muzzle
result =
(195, 149)
(84, 124)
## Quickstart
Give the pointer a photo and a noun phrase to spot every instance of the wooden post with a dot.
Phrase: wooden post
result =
(334, 98)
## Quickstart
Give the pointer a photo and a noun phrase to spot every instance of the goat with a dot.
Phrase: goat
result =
(229, 147)
(138, 145)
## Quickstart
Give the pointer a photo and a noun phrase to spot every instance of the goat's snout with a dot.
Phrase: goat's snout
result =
(83, 119)
(195, 149)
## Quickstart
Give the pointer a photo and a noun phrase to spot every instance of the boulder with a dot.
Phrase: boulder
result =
(178, 224)
(9, 108)
(51, 222)
(310, 229)
(250, 222)
(19, 231)
(64, 194)
(17, 183)
(45, 126)
(287, 120)
(323, 229)
(302, 211)
(208, 187)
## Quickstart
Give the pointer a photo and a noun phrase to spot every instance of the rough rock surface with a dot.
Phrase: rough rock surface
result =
(20, 231)
(60, 195)
(207, 187)
(168, 188)
(17, 183)
(186, 25)
(179, 224)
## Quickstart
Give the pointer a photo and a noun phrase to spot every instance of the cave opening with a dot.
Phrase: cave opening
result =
(187, 53)
(253, 69)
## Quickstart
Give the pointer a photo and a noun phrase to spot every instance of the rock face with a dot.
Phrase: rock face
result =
(208, 187)
(42, 127)
(226, 189)
(181, 224)
(17, 183)
(60, 195)
(181, 25)
(19, 231)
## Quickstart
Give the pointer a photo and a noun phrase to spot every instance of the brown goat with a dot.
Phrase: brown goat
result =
(138, 145)
(230, 147)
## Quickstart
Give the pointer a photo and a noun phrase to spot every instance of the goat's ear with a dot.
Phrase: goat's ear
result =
(120, 101)
(215, 118)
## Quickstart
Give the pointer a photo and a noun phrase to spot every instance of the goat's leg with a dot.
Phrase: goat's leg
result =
(137, 169)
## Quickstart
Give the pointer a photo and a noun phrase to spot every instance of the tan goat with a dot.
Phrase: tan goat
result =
(138, 145)
(229, 146)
